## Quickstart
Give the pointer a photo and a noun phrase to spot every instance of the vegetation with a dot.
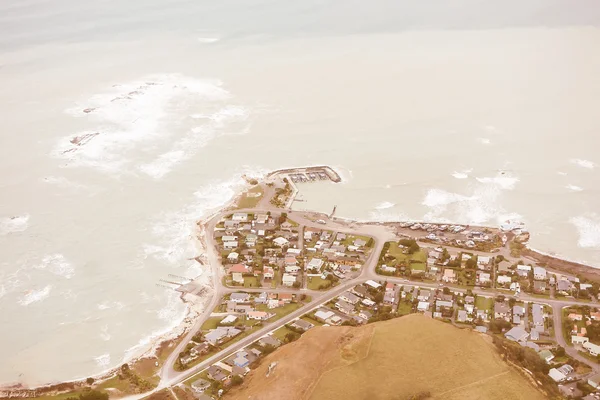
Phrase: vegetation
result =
(90, 395)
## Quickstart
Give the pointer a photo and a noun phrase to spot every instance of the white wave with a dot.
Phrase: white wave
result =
(588, 228)
(484, 141)
(503, 181)
(14, 224)
(103, 361)
(58, 265)
(175, 231)
(562, 173)
(574, 188)
(209, 39)
(35, 296)
(108, 304)
(199, 137)
(383, 205)
(583, 163)
(439, 197)
(464, 174)
(131, 114)
(386, 215)
(104, 335)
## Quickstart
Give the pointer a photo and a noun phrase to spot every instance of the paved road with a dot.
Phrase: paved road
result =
(380, 234)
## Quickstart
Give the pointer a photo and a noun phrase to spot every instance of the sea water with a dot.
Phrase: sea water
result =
(126, 122)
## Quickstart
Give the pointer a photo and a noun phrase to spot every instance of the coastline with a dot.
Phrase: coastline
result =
(196, 305)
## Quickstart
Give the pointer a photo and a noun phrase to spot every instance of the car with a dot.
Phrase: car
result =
(321, 221)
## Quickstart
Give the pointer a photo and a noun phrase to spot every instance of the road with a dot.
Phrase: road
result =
(380, 235)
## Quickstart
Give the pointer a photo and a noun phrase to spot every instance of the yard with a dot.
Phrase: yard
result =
(484, 303)
(251, 198)
(211, 323)
(251, 281)
(404, 308)
(315, 283)
(419, 258)
(281, 332)
(279, 311)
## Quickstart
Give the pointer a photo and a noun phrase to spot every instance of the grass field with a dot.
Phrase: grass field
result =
(251, 281)
(279, 311)
(281, 332)
(315, 281)
(395, 359)
(419, 258)
(245, 201)
(404, 308)
(484, 303)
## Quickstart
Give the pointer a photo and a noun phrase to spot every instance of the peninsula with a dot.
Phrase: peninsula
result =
(277, 273)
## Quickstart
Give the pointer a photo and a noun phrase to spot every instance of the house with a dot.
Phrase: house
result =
(389, 298)
(592, 348)
(302, 325)
(202, 348)
(286, 226)
(285, 297)
(501, 310)
(503, 279)
(268, 341)
(556, 375)
(240, 297)
(594, 381)
(424, 295)
(268, 273)
(228, 320)
(483, 260)
(564, 287)
(423, 306)
(539, 273)
(444, 304)
(518, 310)
(242, 309)
(344, 307)
(217, 336)
(237, 272)
(240, 360)
(470, 308)
(537, 312)
(389, 287)
(462, 316)
(360, 290)
(240, 217)
(368, 302)
(292, 269)
(217, 374)
(290, 261)
(525, 268)
(281, 241)
(324, 315)
(259, 315)
(483, 277)
(449, 276)
(360, 243)
(200, 385)
(575, 317)
(372, 284)
(315, 264)
(294, 251)
(539, 286)
(233, 257)
(365, 315)
(546, 355)
(481, 329)
(517, 334)
(349, 297)
(288, 280)
(230, 245)
(575, 339)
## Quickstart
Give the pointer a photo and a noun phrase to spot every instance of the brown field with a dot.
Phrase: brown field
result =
(394, 359)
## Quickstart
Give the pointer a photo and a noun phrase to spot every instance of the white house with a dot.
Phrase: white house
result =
(483, 277)
(373, 284)
(503, 279)
(230, 319)
(233, 256)
(423, 306)
(240, 217)
(483, 260)
(522, 267)
(449, 276)
(556, 375)
(288, 280)
(349, 297)
(292, 269)
(258, 315)
(539, 273)
(324, 315)
(281, 241)
(315, 264)
(230, 245)
(579, 339)
(594, 349)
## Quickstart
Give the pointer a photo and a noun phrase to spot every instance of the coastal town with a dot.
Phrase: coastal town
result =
(279, 272)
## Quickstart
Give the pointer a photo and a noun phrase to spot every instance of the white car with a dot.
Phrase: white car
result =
(321, 221)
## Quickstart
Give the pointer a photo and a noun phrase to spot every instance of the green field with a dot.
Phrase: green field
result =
(484, 303)
(250, 202)
(281, 332)
(315, 281)
(279, 311)
(251, 281)
(419, 258)
(404, 308)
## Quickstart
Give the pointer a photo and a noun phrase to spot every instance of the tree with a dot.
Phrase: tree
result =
(89, 381)
(236, 380)
(378, 298)
(471, 263)
(93, 395)
(291, 337)
(559, 352)
(446, 290)
(512, 301)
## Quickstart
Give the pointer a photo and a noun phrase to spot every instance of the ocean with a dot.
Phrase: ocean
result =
(126, 122)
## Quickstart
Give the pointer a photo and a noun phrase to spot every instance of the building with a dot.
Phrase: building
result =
(462, 316)
(503, 279)
(228, 320)
(200, 385)
(556, 375)
(449, 276)
(344, 307)
(240, 217)
(575, 339)
(539, 273)
(423, 306)
(288, 280)
(268, 272)
(292, 269)
(424, 295)
(302, 325)
(259, 315)
(240, 297)
(230, 245)
(373, 284)
(233, 257)
(365, 315)
(594, 381)
(315, 264)
(517, 334)
(324, 315)
(501, 310)
(237, 272)
(537, 312)
(483, 277)
(546, 355)
(268, 341)
(349, 297)
(592, 348)
(217, 374)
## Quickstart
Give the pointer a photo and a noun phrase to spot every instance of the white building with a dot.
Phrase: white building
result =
(240, 217)
(281, 241)
(288, 280)
(539, 273)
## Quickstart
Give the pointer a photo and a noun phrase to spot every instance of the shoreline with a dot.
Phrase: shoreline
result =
(196, 305)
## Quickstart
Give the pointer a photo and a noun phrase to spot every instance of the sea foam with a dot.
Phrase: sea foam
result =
(14, 224)
(574, 188)
(58, 265)
(35, 296)
(588, 228)
(583, 163)
(383, 205)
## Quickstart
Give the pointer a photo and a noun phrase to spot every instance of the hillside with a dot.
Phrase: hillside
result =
(395, 359)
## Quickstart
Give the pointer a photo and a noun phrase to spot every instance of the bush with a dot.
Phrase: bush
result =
(89, 381)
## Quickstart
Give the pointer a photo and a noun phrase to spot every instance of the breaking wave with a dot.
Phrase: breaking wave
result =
(14, 224)
(58, 265)
(383, 205)
(103, 361)
(583, 163)
(588, 228)
(574, 188)
(35, 296)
